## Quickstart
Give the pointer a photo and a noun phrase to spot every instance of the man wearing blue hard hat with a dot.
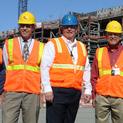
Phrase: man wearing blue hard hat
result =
(65, 68)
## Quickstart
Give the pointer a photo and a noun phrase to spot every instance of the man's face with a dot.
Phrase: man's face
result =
(26, 30)
(113, 38)
(69, 32)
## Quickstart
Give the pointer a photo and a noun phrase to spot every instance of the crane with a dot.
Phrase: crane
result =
(22, 6)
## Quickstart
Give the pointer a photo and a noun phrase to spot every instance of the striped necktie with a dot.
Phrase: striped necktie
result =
(25, 51)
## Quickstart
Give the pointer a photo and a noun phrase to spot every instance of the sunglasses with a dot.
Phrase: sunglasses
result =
(113, 35)
(70, 26)
(26, 25)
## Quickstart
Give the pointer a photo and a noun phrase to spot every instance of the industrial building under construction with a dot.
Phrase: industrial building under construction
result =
(91, 28)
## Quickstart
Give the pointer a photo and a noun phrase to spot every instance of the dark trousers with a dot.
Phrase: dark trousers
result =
(64, 107)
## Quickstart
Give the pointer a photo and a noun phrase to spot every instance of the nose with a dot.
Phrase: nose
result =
(113, 36)
(24, 27)
(68, 27)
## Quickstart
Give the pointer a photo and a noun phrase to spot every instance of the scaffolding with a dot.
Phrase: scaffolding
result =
(91, 28)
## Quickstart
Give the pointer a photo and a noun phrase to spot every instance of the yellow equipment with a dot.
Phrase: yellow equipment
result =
(114, 27)
(26, 18)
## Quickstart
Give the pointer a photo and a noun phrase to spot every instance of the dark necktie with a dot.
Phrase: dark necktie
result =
(25, 51)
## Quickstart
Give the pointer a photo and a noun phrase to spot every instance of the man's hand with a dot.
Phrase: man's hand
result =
(87, 98)
(42, 100)
(49, 96)
(86, 101)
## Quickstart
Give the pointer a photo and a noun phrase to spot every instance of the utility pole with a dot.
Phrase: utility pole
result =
(22, 6)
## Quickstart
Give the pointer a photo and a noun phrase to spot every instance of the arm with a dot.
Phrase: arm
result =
(86, 78)
(2, 72)
(47, 60)
(87, 84)
(5, 55)
(94, 77)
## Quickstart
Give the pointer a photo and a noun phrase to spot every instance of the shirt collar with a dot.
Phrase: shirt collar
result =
(28, 41)
(68, 42)
(116, 49)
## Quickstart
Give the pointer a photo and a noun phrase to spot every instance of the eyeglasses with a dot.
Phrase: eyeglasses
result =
(25, 26)
(70, 26)
(113, 35)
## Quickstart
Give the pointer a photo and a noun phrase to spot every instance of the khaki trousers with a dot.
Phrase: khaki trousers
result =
(106, 106)
(13, 102)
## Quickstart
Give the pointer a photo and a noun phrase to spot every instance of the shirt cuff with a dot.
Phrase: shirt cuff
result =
(47, 88)
(87, 91)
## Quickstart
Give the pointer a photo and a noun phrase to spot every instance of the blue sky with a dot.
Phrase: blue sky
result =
(46, 10)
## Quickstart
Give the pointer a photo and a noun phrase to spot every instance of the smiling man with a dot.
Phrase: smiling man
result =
(107, 77)
(22, 57)
(65, 68)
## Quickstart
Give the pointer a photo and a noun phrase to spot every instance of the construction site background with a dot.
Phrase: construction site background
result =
(91, 28)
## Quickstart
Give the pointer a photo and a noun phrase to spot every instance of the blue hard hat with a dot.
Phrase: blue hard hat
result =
(69, 19)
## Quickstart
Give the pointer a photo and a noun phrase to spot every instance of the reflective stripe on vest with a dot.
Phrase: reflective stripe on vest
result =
(41, 47)
(20, 67)
(108, 72)
(100, 61)
(59, 47)
(68, 66)
(10, 48)
(101, 70)
(83, 49)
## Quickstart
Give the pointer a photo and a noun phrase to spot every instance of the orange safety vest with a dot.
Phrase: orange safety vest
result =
(63, 72)
(0, 56)
(107, 84)
(23, 76)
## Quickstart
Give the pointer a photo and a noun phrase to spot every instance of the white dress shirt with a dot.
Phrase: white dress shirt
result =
(47, 61)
